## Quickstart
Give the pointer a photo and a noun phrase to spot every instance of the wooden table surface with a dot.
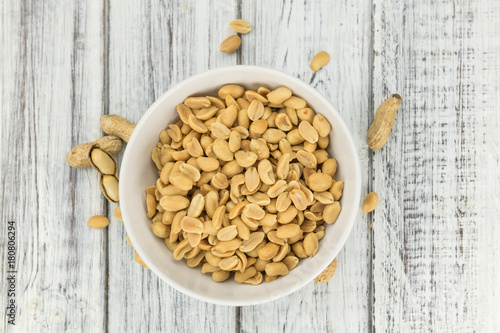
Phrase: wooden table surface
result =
(425, 260)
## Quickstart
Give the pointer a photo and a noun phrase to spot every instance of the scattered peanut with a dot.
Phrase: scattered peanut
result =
(370, 202)
(98, 222)
(230, 44)
(241, 26)
(320, 59)
(379, 131)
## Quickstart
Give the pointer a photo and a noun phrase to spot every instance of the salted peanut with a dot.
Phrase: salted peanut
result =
(295, 102)
(283, 166)
(308, 132)
(337, 189)
(269, 251)
(231, 101)
(150, 205)
(155, 156)
(285, 147)
(185, 129)
(165, 173)
(216, 102)
(310, 147)
(241, 228)
(234, 141)
(299, 199)
(220, 131)
(222, 150)
(323, 142)
(252, 242)
(232, 90)
(260, 264)
(212, 259)
(242, 130)
(166, 155)
(197, 102)
(251, 95)
(310, 244)
(294, 137)
(181, 181)
(165, 139)
(331, 212)
(160, 230)
(322, 125)
(292, 115)
(252, 179)
(257, 128)
(320, 182)
(324, 197)
(321, 59)
(268, 220)
(243, 103)
(288, 231)
(167, 217)
(283, 202)
(197, 205)
(370, 202)
(184, 111)
(191, 225)
(207, 163)
(174, 132)
(172, 190)
(190, 171)
(196, 260)
(227, 246)
(283, 122)
(298, 250)
(283, 251)
(196, 124)
(259, 147)
(182, 249)
(290, 262)
(174, 203)
(255, 280)
(220, 276)
(259, 198)
(306, 114)
(209, 151)
(237, 209)
(218, 216)
(266, 174)
(253, 211)
(245, 145)
(275, 239)
(205, 141)
(309, 195)
(287, 215)
(308, 226)
(228, 264)
(307, 172)
(206, 113)
(245, 275)
(321, 155)
(230, 44)
(98, 222)
(207, 268)
(227, 233)
(278, 188)
(228, 116)
(245, 159)
(219, 181)
(276, 269)
(307, 159)
(273, 135)
(255, 110)
(181, 155)
(223, 197)
(279, 95)
(329, 167)
(205, 178)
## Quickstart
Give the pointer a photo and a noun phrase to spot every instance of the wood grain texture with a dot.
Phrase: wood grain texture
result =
(152, 47)
(51, 86)
(286, 36)
(435, 228)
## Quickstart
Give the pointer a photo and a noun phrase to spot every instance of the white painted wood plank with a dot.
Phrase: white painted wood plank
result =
(51, 93)
(435, 229)
(286, 36)
(153, 46)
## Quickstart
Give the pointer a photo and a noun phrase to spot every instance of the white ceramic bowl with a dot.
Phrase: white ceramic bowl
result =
(138, 172)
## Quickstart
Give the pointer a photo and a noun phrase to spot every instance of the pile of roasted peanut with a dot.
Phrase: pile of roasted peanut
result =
(245, 183)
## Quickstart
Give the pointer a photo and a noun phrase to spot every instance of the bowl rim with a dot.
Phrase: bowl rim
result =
(351, 217)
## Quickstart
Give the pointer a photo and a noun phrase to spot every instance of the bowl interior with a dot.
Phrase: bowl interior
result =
(138, 172)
